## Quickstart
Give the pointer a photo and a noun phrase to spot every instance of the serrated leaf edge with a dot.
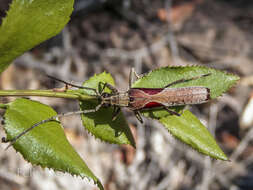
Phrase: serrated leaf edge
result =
(107, 142)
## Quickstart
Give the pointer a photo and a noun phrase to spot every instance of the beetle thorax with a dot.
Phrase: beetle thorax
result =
(121, 99)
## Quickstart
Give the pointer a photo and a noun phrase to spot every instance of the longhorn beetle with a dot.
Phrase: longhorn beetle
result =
(136, 99)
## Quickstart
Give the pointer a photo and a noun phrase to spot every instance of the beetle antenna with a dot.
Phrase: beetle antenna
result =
(73, 85)
(186, 80)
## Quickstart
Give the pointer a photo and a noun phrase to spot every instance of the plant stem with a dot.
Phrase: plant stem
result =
(71, 94)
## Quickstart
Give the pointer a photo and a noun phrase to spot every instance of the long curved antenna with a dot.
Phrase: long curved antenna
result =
(186, 80)
(68, 83)
(53, 118)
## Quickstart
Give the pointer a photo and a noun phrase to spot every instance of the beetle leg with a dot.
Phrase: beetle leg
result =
(116, 111)
(112, 88)
(171, 111)
(138, 115)
(131, 77)
(186, 80)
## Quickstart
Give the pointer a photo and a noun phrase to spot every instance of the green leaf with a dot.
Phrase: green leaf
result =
(191, 131)
(100, 123)
(218, 82)
(30, 22)
(46, 145)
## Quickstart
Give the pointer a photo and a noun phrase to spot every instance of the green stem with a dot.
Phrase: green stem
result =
(71, 94)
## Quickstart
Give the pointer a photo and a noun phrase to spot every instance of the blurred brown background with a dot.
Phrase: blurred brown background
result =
(115, 35)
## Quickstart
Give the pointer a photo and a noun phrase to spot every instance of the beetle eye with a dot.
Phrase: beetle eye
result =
(131, 99)
(105, 95)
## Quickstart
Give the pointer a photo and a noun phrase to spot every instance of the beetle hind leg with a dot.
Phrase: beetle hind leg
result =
(171, 111)
(138, 115)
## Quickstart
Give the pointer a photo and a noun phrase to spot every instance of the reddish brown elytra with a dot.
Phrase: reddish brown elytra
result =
(167, 97)
(137, 99)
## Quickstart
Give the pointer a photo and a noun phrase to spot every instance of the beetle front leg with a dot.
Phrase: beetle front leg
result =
(112, 88)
